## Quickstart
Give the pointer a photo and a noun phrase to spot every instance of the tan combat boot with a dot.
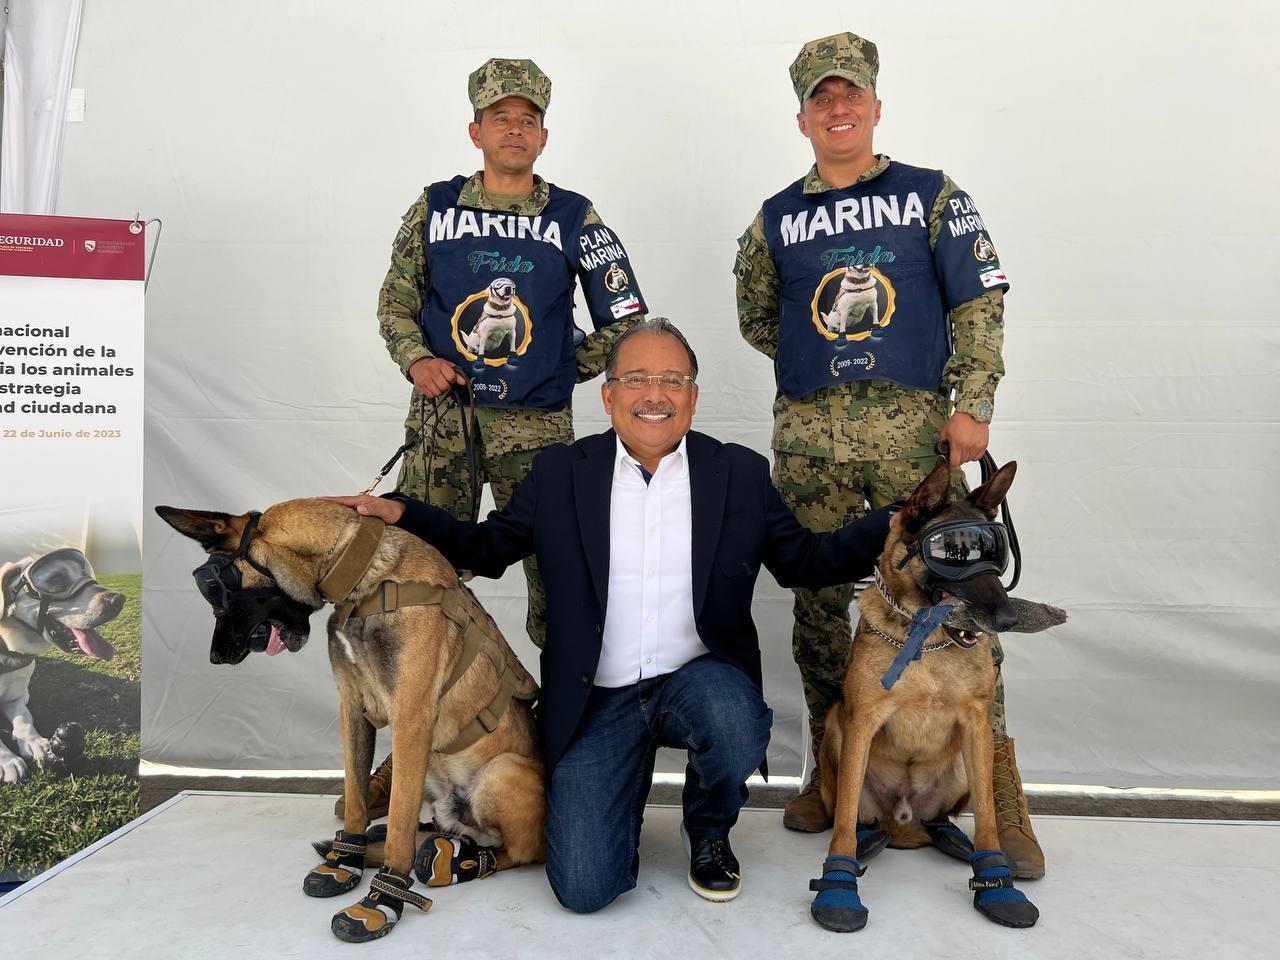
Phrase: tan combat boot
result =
(378, 796)
(1013, 818)
(807, 812)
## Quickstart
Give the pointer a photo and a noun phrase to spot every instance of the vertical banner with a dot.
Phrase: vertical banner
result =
(71, 348)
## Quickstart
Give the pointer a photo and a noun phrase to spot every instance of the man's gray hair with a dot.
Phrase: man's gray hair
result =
(650, 325)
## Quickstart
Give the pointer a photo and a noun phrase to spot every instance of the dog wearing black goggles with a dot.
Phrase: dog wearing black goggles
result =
(912, 743)
(50, 602)
(258, 618)
(411, 647)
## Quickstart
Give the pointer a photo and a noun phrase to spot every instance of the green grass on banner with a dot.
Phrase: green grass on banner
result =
(45, 819)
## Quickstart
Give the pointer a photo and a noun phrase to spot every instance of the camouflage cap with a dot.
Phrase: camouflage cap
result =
(843, 55)
(497, 78)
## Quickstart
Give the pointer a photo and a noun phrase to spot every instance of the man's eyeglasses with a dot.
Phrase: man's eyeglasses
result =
(668, 382)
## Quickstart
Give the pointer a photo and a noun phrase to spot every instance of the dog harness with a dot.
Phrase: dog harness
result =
(821, 242)
(479, 633)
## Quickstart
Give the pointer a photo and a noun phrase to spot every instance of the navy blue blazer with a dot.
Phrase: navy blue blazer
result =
(560, 513)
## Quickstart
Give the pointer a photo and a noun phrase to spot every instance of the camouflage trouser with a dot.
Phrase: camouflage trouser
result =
(506, 442)
(826, 494)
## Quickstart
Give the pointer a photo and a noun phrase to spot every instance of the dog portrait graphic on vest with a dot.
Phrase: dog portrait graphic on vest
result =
(854, 302)
(492, 326)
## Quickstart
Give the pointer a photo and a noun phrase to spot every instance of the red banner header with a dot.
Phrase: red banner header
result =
(77, 248)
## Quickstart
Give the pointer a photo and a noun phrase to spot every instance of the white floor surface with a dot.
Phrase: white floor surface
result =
(220, 875)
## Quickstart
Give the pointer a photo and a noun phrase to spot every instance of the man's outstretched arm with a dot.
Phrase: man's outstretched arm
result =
(486, 548)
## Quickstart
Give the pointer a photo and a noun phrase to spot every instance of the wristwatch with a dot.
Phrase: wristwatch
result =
(981, 409)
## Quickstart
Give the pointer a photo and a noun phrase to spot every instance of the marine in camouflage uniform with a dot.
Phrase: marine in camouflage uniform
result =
(842, 446)
(513, 241)
(509, 436)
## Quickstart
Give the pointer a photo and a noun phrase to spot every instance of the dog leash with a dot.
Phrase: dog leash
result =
(470, 431)
(987, 469)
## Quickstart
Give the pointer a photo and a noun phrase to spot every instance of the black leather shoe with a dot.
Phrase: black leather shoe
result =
(714, 873)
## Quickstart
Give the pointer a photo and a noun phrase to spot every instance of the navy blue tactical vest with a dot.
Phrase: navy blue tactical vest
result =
(863, 294)
(500, 303)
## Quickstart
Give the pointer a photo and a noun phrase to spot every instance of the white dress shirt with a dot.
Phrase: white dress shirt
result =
(648, 626)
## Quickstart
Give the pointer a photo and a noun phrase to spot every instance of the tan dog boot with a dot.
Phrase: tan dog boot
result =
(806, 812)
(378, 796)
(1013, 818)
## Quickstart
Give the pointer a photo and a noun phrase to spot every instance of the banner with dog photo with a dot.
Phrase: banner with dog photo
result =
(71, 339)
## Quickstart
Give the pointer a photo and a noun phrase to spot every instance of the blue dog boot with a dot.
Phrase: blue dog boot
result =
(837, 905)
(994, 895)
(871, 840)
(949, 838)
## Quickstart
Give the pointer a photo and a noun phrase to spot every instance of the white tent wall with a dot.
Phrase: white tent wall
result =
(38, 49)
(1121, 155)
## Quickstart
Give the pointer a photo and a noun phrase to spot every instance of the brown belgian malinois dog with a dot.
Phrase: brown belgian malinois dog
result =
(909, 747)
(409, 646)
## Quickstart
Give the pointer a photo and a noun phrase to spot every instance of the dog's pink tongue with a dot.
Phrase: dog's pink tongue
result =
(94, 644)
(274, 643)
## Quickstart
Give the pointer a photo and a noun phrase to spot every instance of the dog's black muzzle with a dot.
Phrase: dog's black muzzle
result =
(245, 617)
(246, 626)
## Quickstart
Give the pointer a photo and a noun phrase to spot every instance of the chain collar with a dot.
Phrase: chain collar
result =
(898, 609)
(928, 648)
(883, 587)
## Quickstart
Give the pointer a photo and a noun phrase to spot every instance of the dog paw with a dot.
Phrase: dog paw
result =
(445, 859)
(837, 906)
(342, 868)
(12, 769)
(359, 923)
(380, 910)
(949, 838)
(995, 896)
(330, 880)
(36, 750)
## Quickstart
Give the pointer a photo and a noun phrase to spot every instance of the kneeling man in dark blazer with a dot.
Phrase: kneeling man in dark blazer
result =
(649, 538)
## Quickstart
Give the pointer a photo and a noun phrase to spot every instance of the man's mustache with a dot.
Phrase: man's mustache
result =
(653, 409)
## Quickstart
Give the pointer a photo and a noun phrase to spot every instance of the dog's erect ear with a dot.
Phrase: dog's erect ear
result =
(929, 497)
(207, 527)
(10, 577)
(991, 494)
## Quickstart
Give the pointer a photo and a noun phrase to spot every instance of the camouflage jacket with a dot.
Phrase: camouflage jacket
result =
(400, 298)
(870, 419)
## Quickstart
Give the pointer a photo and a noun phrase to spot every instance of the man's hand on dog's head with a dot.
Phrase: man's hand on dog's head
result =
(435, 377)
(966, 437)
(388, 511)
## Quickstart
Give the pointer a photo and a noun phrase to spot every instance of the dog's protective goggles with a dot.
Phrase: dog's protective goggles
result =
(58, 575)
(960, 549)
(218, 578)
(245, 617)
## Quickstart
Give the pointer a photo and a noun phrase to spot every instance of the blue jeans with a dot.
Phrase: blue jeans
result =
(597, 791)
